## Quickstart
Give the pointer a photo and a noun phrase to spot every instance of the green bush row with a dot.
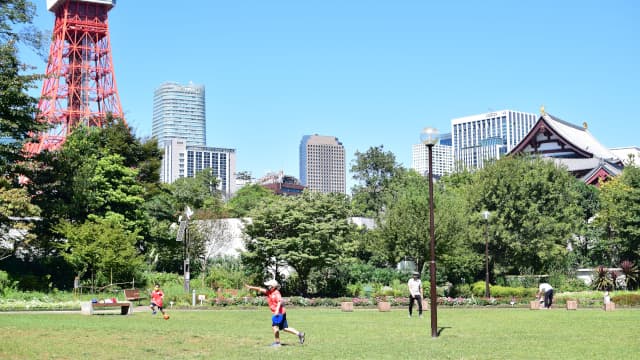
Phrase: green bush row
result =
(478, 289)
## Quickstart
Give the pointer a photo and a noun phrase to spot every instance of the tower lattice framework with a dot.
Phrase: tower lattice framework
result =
(79, 85)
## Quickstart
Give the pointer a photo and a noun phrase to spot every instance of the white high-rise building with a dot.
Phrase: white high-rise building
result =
(179, 113)
(477, 138)
(442, 157)
(322, 164)
(182, 160)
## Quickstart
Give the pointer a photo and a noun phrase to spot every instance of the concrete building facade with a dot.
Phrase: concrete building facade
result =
(442, 157)
(322, 164)
(182, 160)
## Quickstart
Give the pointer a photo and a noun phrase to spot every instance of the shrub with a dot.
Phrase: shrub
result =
(508, 292)
(602, 279)
(354, 290)
(573, 285)
(5, 283)
(631, 274)
(478, 287)
(626, 299)
(461, 290)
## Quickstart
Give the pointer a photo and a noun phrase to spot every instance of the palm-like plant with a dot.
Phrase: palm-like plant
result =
(602, 279)
(631, 274)
(614, 279)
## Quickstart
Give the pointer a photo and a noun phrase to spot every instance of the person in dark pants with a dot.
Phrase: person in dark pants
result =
(415, 293)
(546, 290)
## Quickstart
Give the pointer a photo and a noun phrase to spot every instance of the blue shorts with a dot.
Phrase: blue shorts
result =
(282, 324)
(154, 304)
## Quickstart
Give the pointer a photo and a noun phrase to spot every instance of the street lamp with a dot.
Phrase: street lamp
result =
(485, 215)
(429, 137)
(183, 235)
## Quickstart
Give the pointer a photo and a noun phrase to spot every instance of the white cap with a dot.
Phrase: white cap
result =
(271, 283)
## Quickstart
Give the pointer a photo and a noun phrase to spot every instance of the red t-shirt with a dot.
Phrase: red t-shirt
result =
(274, 298)
(156, 297)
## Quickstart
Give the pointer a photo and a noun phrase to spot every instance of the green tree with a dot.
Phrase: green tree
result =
(16, 219)
(248, 198)
(102, 249)
(199, 192)
(17, 107)
(588, 247)
(373, 169)
(303, 232)
(460, 239)
(162, 252)
(96, 171)
(16, 18)
(405, 223)
(619, 216)
(405, 227)
(534, 206)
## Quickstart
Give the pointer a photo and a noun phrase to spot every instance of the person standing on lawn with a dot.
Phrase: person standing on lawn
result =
(545, 290)
(157, 297)
(279, 317)
(415, 293)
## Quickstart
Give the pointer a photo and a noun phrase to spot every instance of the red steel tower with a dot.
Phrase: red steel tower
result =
(79, 85)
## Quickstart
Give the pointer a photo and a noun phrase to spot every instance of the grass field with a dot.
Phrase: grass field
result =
(331, 334)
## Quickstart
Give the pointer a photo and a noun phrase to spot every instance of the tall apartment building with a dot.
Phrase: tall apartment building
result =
(477, 138)
(442, 157)
(183, 160)
(179, 113)
(322, 164)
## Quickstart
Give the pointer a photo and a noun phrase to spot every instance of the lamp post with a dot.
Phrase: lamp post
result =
(485, 215)
(183, 235)
(429, 137)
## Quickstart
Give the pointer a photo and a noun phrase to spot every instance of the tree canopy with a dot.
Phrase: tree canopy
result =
(534, 207)
(373, 169)
(303, 232)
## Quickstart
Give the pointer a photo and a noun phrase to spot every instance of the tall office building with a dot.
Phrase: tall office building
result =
(179, 113)
(322, 164)
(442, 157)
(477, 138)
(182, 160)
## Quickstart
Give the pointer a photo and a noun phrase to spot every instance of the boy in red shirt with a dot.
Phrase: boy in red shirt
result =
(156, 299)
(279, 318)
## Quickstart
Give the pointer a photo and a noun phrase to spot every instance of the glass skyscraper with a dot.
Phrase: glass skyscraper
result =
(179, 113)
(477, 138)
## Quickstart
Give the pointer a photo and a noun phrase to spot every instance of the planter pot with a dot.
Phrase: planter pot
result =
(346, 306)
(534, 305)
(425, 305)
(384, 306)
(610, 307)
(572, 305)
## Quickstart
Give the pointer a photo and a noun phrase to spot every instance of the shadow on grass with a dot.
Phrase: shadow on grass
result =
(442, 329)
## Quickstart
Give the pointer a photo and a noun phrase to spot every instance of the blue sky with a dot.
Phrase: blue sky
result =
(375, 72)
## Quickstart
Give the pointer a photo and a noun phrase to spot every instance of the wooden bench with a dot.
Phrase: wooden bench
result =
(89, 308)
(133, 295)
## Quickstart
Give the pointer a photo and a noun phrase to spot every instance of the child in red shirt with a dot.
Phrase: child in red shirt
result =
(156, 299)
(279, 317)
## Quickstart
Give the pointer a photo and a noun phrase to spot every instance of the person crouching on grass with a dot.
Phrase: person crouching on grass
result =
(279, 317)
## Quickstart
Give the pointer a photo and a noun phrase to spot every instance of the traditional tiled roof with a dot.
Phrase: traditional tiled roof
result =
(601, 172)
(571, 146)
(580, 137)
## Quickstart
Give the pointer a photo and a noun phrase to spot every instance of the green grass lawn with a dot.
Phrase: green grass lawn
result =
(331, 334)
